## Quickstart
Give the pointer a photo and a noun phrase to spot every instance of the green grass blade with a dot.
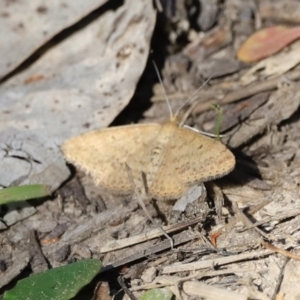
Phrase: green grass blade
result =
(217, 108)
(25, 192)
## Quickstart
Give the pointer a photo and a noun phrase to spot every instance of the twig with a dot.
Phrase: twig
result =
(125, 288)
(154, 233)
(159, 6)
(247, 91)
(180, 238)
(246, 222)
(280, 251)
(138, 197)
(279, 281)
(216, 261)
(235, 220)
(174, 280)
(285, 215)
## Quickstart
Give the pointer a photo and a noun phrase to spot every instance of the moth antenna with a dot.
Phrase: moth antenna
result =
(192, 97)
(165, 93)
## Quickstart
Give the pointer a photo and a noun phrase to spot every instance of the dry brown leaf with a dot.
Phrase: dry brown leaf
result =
(267, 42)
(277, 64)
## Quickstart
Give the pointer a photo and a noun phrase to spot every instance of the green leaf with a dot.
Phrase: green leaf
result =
(56, 284)
(25, 192)
(157, 294)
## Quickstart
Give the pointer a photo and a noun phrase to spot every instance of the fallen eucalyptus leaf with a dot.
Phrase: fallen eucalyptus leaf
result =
(267, 42)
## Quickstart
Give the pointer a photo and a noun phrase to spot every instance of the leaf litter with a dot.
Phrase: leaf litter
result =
(260, 195)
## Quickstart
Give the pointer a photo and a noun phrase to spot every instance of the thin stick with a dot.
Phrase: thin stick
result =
(154, 233)
(281, 251)
(125, 288)
(159, 6)
(162, 281)
(142, 204)
(282, 216)
(235, 220)
(279, 280)
(179, 238)
(246, 221)
(215, 261)
(247, 91)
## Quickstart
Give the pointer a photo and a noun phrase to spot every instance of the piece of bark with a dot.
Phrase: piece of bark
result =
(20, 261)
